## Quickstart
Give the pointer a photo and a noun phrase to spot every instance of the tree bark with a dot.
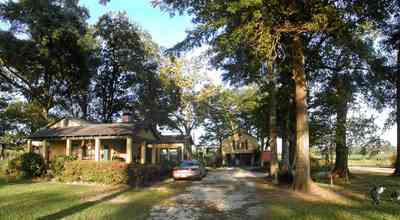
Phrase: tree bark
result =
(302, 180)
(341, 162)
(285, 144)
(273, 130)
(397, 164)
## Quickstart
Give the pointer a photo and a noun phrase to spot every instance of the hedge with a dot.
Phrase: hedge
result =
(112, 173)
(57, 164)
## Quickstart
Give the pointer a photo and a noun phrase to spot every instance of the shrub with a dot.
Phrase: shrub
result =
(27, 165)
(57, 164)
(142, 175)
(95, 172)
(112, 173)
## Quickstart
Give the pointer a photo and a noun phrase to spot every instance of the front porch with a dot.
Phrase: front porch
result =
(127, 149)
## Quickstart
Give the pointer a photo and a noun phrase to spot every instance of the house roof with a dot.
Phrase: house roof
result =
(109, 129)
(173, 139)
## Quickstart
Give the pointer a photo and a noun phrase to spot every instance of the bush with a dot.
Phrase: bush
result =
(112, 173)
(95, 172)
(57, 164)
(27, 165)
(142, 175)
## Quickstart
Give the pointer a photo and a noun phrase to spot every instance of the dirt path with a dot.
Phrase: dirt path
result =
(223, 194)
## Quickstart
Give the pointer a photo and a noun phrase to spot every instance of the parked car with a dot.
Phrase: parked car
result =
(189, 169)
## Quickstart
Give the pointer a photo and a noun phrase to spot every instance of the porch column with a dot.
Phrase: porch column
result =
(44, 148)
(142, 153)
(68, 148)
(153, 154)
(129, 155)
(97, 149)
(29, 145)
(168, 156)
(182, 152)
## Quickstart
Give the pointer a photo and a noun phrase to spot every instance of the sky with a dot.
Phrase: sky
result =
(165, 30)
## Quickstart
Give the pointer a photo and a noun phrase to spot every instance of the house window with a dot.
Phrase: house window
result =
(233, 144)
(246, 145)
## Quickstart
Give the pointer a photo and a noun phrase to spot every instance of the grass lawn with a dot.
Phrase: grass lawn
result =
(45, 200)
(381, 160)
(340, 202)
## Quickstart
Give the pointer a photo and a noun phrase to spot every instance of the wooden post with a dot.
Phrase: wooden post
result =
(142, 153)
(97, 149)
(168, 154)
(45, 153)
(68, 148)
(29, 145)
(153, 154)
(183, 153)
(129, 152)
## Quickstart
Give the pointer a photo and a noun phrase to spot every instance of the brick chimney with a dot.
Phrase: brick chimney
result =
(126, 117)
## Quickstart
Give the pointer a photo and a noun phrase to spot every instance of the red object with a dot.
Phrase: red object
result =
(266, 156)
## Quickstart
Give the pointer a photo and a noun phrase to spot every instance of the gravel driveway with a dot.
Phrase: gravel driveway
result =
(228, 193)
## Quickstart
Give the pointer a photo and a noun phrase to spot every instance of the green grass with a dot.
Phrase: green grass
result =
(343, 201)
(370, 163)
(45, 200)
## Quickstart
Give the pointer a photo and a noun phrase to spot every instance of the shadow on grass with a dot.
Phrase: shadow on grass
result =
(7, 182)
(348, 201)
(80, 207)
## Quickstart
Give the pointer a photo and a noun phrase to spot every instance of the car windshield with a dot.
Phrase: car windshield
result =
(189, 164)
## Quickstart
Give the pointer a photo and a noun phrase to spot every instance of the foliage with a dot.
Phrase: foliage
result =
(57, 164)
(113, 173)
(43, 51)
(140, 175)
(95, 172)
(27, 165)
(185, 76)
(122, 60)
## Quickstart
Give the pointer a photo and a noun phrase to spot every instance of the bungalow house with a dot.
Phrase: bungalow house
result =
(239, 149)
(123, 141)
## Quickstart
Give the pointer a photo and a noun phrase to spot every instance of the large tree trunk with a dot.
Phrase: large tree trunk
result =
(273, 130)
(285, 144)
(292, 136)
(342, 152)
(397, 165)
(302, 179)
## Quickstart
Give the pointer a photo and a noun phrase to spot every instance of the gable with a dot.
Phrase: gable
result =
(243, 143)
